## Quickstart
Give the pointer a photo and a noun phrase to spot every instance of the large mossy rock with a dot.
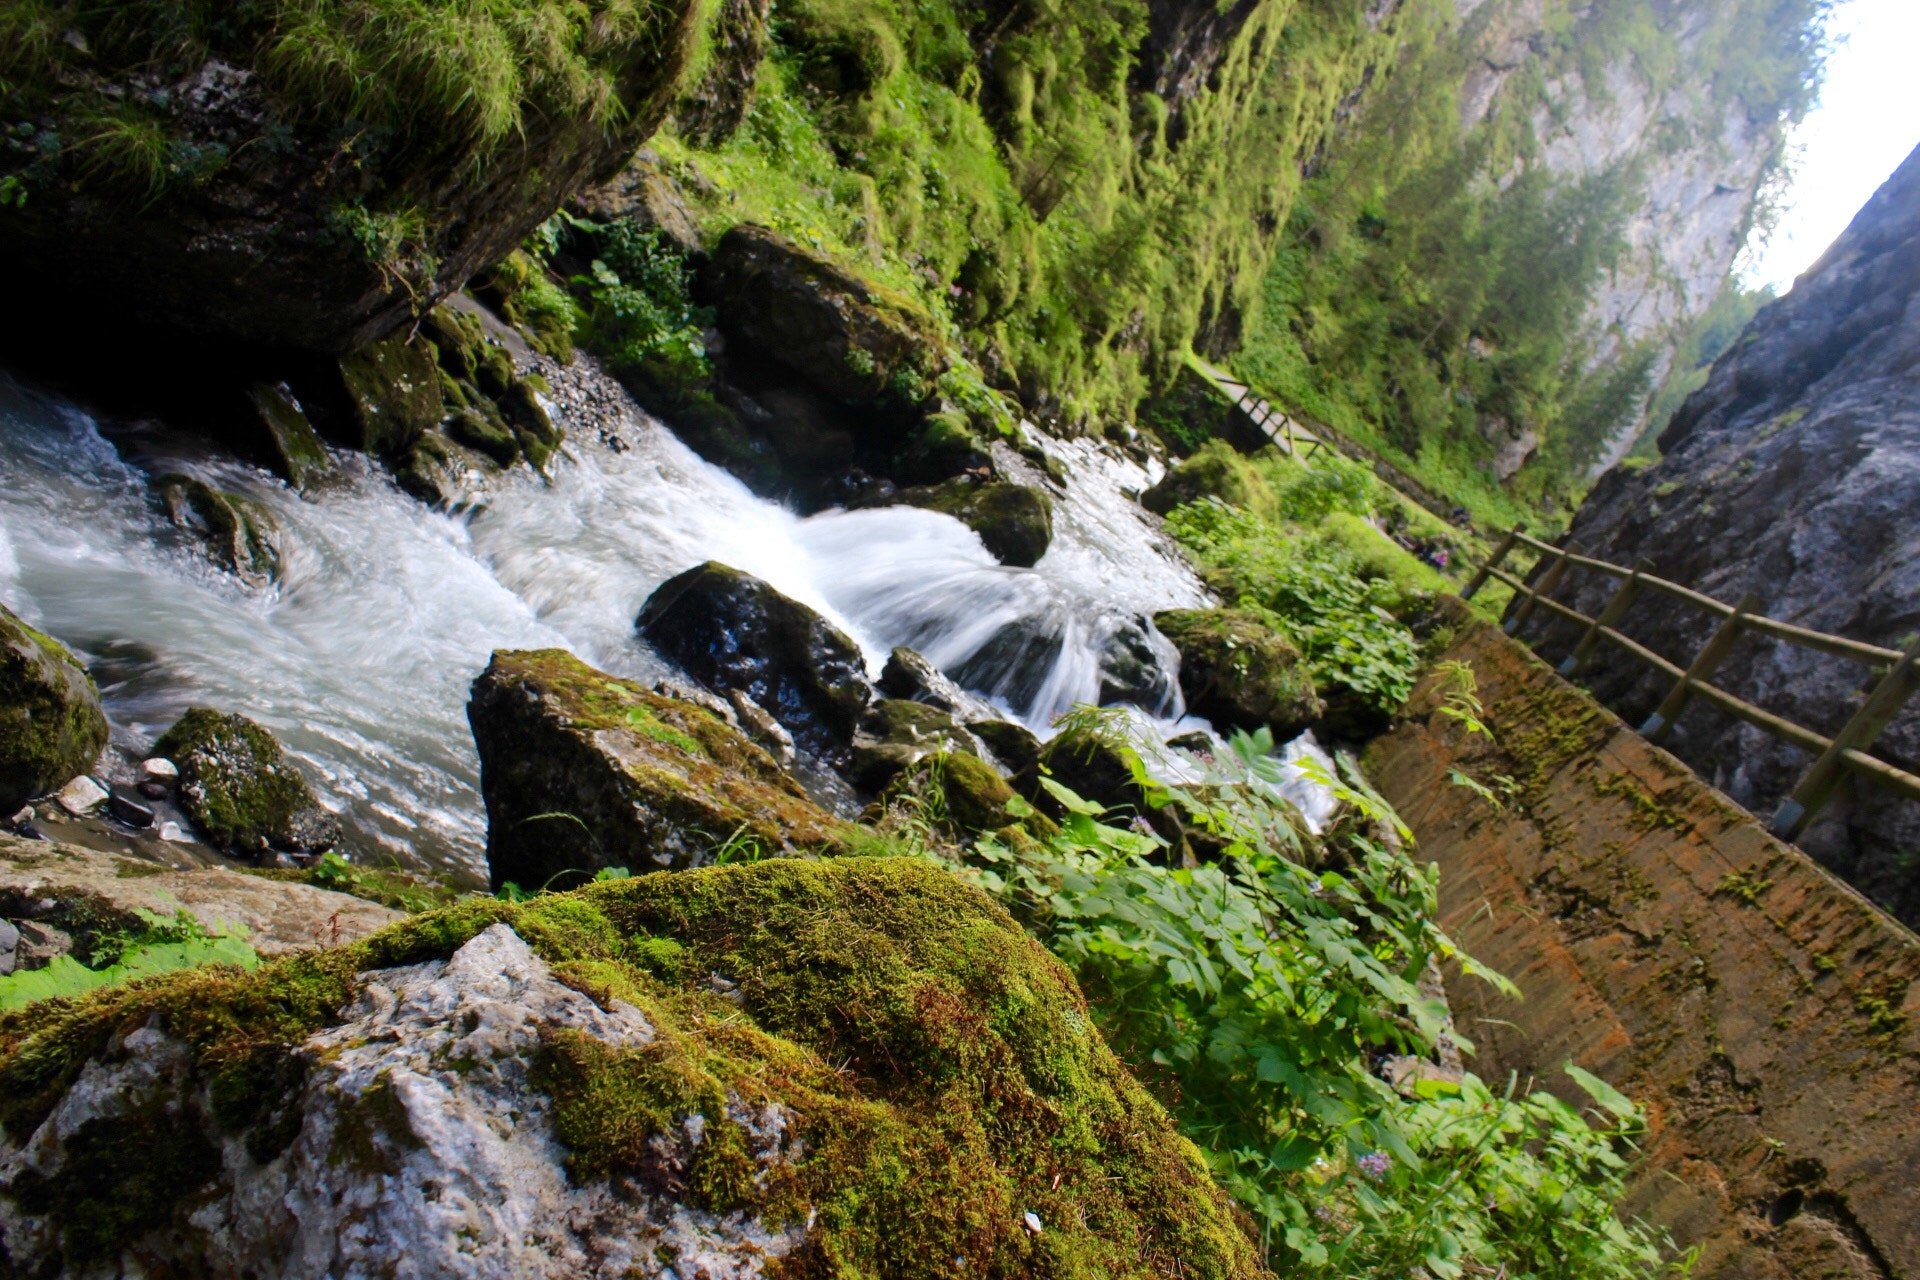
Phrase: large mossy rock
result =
(239, 788)
(305, 177)
(730, 630)
(856, 1066)
(582, 771)
(1014, 521)
(51, 725)
(859, 343)
(393, 389)
(1239, 673)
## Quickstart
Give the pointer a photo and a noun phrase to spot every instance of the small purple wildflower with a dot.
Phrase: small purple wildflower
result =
(1375, 1164)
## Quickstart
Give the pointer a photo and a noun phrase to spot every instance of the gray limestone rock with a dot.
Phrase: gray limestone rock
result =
(1794, 473)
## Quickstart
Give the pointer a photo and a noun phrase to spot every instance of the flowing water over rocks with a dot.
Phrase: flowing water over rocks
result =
(360, 656)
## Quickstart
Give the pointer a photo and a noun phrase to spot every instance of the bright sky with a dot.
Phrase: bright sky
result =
(1867, 121)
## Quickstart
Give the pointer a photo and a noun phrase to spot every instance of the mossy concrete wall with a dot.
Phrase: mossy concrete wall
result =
(1766, 1014)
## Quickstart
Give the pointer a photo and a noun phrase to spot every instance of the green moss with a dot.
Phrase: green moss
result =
(1544, 729)
(235, 784)
(51, 724)
(939, 1067)
(1648, 813)
(1745, 885)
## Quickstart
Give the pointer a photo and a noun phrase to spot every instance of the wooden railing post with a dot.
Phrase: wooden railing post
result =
(1548, 584)
(1874, 715)
(1609, 617)
(1485, 571)
(1660, 723)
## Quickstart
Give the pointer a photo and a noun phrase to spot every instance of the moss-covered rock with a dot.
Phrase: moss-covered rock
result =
(860, 1063)
(1215, 471)
(730, 630)
(1014, 521)
(51, 725)
(393, 389)
(895, 734)
(288, 444)
(240, 790)
(311, 178)
(1238, 672)
(235, 533)
(581, 771)
(856, 341)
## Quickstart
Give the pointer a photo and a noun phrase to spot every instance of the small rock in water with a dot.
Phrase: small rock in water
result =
(128, 810)
(1197, 741)
(80, 796)
(159, 770)
(154, 790)
(24, 817)
(173, 831)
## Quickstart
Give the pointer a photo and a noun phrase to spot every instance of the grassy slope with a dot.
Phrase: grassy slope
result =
(1005, 168)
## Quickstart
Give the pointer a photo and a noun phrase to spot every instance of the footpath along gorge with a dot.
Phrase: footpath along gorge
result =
(637, 641)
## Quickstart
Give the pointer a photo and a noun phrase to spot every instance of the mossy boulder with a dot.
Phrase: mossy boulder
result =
(393, 389)
(310, 178)
(240, 790)
(851, 1066)
(972, 796)
(51, 724)
(730, 630)
(236, 533)
(895, 734)
(1014, 521)
(582, 771)
(1238, 672)
(1216, 471)
(852, 339)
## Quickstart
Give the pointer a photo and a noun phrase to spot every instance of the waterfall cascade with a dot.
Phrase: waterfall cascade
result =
(360, 657)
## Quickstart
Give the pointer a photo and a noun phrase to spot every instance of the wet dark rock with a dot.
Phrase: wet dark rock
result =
(1237, 672)
(1794, 473)
(730, 630)
(1087, 764)
(1134, 669)
(51, 724)
(581, 771)
(240, 790)
(1196, 741)
(126, 808)
(1014, 745)
(895, 734)
(856, 341)
(908, 675)
(291, 446)
(234, 532)
(281, 216)
(393, 389)
(443, 473)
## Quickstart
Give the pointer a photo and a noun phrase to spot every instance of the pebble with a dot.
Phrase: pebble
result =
(24, 817)
(1032, 1220)
(159, 769)
(81, 796)
(128, 810)
(174, 832)
(154, 790)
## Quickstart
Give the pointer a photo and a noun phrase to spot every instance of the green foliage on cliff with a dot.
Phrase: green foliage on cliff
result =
(1429, 292)
(1013, 165)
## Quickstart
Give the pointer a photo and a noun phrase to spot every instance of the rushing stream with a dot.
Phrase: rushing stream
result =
(361, 658)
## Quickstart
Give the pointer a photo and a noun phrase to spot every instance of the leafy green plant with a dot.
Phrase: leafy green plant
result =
(639, 306)
(1315, 592)
(1256, 994)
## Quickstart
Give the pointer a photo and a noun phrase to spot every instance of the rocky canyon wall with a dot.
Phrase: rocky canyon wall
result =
(1793, 474)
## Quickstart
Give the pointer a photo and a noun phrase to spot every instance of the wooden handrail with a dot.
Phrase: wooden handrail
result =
(1846, 752)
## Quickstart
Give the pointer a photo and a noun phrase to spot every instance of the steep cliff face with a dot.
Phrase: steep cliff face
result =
(1492, 271)
(1793, 474)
